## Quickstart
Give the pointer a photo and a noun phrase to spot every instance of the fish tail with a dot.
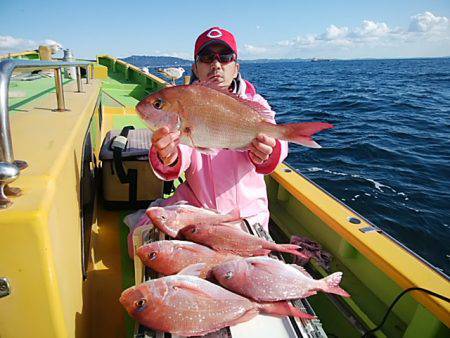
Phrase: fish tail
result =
(301, 133)
(292, 249)
(331, 284)
(283, 309)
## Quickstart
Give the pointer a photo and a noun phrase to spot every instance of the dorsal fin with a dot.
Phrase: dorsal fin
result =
(302, 270)
(259, 108)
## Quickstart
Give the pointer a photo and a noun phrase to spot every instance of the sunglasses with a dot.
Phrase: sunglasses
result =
(209, 57)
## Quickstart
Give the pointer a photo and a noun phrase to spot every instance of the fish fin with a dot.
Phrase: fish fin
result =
(187, 131)
(245, 317)
(187, 247)
(301, 269)
(198, 292)
(184, 211)
(332, 284)
(300, 133)
(283, 309)
(309, 294)
(235, 215)
(263, 263)
(260, 252)
(235, 224)
(198, 270)
(289, 248)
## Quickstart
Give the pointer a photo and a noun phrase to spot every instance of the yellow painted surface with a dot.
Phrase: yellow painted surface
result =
(404, 268)
(41, 232)
(107, 314)
(100, 72)
(13, 55)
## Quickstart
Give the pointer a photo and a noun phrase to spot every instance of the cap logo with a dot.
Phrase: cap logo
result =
(214, 34)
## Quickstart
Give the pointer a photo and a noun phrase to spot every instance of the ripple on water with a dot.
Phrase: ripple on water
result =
(389, 155)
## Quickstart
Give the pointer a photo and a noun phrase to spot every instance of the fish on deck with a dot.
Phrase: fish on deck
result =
(172, 218)
(266, 279)
(170, 257)
(190, 306)
(228, 239)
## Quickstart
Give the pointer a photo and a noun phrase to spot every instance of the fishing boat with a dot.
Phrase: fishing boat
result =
(63, 254)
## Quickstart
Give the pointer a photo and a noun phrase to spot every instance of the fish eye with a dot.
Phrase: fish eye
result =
(229, 275)
(194, 230)
(163, 217)
(140, 303)
(152, 255)
(158, 103)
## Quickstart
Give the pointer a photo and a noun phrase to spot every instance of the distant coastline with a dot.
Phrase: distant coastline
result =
(170, 61)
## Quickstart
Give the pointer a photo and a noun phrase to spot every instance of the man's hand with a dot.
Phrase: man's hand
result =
(166, 145)
(261, 148)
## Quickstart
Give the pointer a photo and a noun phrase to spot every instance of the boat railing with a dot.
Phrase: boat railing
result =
(9, 167)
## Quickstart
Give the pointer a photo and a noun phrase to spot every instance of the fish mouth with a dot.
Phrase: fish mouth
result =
(140, 108)
(125, 293)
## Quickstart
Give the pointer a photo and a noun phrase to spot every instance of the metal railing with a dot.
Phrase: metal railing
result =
(10, 168)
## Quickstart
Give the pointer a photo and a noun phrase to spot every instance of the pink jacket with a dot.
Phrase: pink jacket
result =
(226, 180)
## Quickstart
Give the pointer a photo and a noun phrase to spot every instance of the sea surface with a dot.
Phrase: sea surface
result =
(388, 157)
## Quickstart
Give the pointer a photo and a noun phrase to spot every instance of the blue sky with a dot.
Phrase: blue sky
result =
(264, 29)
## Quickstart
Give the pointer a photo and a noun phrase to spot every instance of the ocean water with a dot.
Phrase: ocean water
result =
(388, 156)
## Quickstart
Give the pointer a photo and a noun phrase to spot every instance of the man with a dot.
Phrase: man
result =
(229, 179)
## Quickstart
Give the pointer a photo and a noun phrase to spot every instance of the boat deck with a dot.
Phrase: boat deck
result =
(43, 226)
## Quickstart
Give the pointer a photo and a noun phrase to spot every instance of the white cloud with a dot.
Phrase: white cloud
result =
(335, 33)
(427, 22)
(427, 32)
(250, 50)
(372, 29)
(12, 44)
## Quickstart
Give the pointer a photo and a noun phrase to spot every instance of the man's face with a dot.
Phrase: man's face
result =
(220, 73)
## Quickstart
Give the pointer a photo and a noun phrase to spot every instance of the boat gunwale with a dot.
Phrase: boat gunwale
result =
(353, 236)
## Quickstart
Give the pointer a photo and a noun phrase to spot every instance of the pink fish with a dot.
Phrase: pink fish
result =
(212, 118)
(172, 218)
(170, 257)
(225, 238)
(267, 280)
(191, 306)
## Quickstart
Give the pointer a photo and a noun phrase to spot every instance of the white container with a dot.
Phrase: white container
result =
(69, 72)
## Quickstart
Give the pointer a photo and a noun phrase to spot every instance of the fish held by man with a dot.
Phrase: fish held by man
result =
(210, 118)
(228, 239)
(172, 218)
(266, 279)
(190, 306)
(170, 257)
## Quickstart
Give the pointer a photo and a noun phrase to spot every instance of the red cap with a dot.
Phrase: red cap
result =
(215, 35)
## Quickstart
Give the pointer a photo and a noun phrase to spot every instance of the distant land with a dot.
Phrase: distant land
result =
(156, 61)
(170, 61)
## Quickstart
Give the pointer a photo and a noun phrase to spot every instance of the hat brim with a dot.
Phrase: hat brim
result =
(216, 42)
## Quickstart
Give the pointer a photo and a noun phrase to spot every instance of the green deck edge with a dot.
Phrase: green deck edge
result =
(33, 90)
